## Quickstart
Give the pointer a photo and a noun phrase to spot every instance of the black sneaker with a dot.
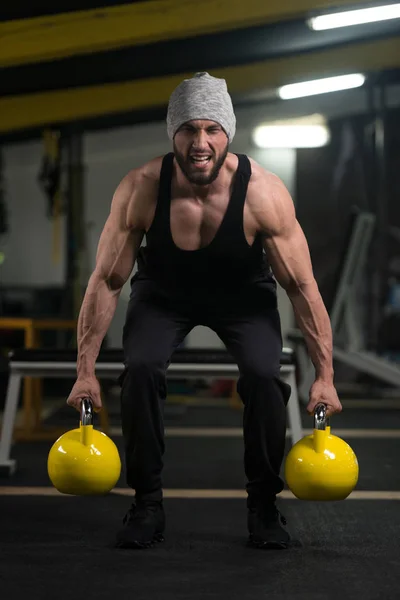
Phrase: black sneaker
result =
(265, 524)
(144, 525)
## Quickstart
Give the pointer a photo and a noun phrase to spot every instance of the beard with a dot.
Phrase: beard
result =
(197, 177)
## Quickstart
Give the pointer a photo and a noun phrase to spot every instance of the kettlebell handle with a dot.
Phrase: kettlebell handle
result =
(320, 419)
(86, 411)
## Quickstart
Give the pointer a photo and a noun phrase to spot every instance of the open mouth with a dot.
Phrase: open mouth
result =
(200, 160)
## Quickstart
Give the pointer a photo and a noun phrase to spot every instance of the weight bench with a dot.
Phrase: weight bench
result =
(185, 363)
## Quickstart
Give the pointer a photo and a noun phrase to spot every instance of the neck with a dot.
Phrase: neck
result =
(202, 192)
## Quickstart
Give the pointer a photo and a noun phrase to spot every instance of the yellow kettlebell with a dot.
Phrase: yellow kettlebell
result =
(84, 461)
(321, 466)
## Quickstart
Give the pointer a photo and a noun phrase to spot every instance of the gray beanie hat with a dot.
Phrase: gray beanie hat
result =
(202, 97)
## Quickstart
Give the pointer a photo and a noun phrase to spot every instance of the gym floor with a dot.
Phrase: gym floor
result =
(62, 545)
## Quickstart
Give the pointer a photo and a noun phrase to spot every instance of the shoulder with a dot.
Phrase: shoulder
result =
(141, 179)
(269, 201)
(136, 194)
(262, 178)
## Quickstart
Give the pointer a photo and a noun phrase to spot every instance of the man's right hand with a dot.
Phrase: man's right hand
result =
(85, 387)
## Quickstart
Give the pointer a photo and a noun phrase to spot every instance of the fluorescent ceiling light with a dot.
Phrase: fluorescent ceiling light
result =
(321, 86)
(305, 132)
(300, 136)
(355, 17)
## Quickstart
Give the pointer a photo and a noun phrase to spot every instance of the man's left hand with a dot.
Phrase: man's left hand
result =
(325, 393)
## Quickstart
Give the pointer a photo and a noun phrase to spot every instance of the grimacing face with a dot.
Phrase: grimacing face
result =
(200, 149)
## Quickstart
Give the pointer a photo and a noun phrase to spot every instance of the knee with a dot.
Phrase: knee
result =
(260, 372)
(262, 382)
(140, 371)
(143, 367)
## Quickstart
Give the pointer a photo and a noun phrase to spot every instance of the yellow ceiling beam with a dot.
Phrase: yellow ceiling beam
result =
(41, 109)
(58, 36)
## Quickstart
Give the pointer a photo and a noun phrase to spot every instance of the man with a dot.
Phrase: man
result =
(216, 223)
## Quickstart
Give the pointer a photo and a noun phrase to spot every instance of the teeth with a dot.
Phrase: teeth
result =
(205, 159)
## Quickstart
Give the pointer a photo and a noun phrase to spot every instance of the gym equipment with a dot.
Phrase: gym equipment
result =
(321, 466)
(186, 363)
(84, 461)
(49, 179)
(346, 311)
(32, 330)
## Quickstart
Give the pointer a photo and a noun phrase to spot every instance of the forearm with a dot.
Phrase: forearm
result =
(97, 310)
(313, 321)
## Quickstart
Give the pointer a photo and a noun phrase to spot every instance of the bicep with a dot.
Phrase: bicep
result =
(118, 246)
(284, 241)
(116, 253)
(289, 257)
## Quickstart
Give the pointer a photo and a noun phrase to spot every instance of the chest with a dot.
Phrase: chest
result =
(194, 224)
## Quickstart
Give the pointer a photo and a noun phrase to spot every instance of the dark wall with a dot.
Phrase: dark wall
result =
(332, 182)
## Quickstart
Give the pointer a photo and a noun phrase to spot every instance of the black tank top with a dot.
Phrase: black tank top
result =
(226, 263)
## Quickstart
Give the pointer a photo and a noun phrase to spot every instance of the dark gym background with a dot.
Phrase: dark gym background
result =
(83, 94)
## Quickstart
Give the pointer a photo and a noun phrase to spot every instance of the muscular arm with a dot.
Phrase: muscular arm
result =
(289, 257)
(116, 255)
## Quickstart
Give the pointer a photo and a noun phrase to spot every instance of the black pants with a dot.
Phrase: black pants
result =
(156, 324)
